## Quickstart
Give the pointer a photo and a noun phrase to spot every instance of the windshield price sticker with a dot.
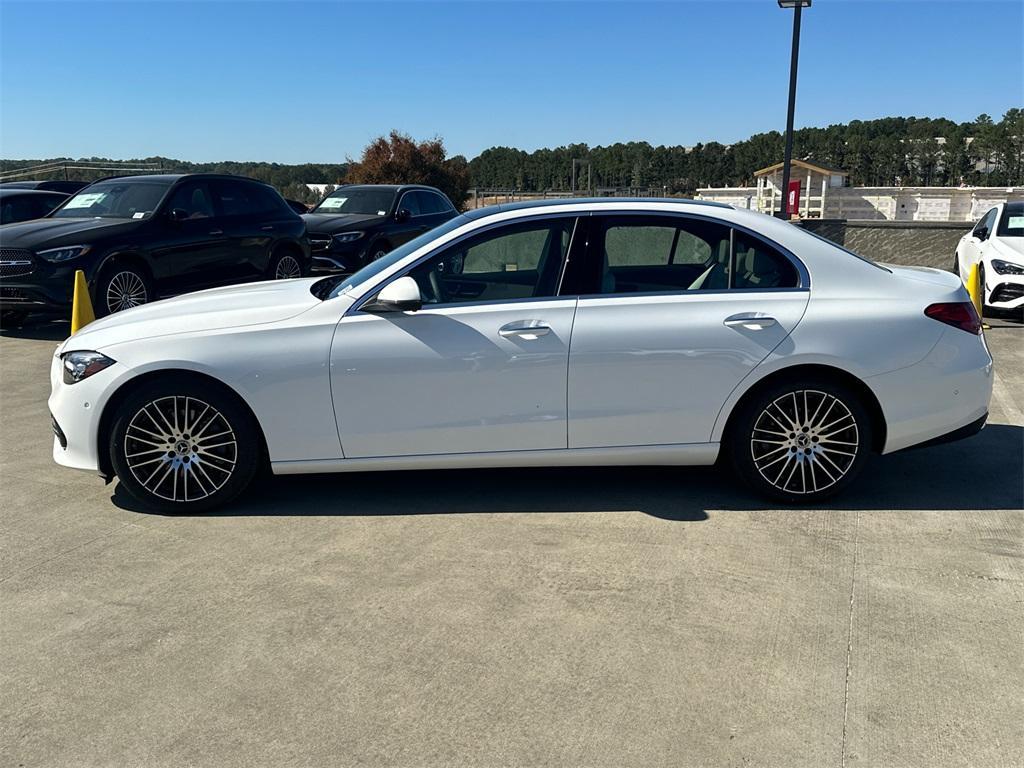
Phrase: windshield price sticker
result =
(333, 202)
(86, 200)
(1015, 222)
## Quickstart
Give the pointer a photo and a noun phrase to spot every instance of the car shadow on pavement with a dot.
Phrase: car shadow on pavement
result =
(983, 472)
(42, 330)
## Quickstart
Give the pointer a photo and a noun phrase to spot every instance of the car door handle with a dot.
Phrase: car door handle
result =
(750, 322)
(216, 231)
(528, 329)
(268, 228)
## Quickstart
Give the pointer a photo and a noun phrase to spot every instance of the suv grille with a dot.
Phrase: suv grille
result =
(319, 243)
(15, 262)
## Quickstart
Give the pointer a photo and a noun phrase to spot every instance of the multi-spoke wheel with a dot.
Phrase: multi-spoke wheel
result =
(121, 288)
(180, 446)
(801, 441)
(286, 266)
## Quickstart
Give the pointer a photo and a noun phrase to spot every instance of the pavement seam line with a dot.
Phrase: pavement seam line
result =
(849, 636)
(67, 551)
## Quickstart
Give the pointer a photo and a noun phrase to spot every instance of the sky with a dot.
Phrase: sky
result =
(316, 81)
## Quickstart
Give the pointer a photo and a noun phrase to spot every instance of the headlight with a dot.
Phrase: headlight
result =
(66, 253)
(348, 237)
(1007, 267)
(82, 365)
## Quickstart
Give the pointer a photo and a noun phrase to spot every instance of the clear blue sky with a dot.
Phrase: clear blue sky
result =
(314, 81)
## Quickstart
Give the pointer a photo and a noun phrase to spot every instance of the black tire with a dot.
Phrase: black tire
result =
(981, 287)
(377, 251)
(286, 263)
(773, 431)
(120, 287)
(12, 318)
(149, 436)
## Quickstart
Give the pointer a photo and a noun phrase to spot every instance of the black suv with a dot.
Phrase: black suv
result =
(138, 238)
(359, 223)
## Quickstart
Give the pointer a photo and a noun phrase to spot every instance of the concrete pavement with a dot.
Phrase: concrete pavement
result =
(521, 617)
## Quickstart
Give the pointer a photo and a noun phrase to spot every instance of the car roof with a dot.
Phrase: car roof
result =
(602, 201)
(395, 187)
(26, 192)
(1015, 206)
(171, 178)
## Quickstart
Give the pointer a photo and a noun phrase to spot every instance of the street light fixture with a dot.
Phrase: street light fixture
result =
(797, 6)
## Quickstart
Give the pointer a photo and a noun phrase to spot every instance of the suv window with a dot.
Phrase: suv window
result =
(518, 261)
(432, 203)
(640, 254)
(241, 198)
(410, 203)
(194, 199)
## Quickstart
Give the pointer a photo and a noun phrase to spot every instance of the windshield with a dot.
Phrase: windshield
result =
(366, 200)
(1012, 222)
(374, 268)
(120, 199)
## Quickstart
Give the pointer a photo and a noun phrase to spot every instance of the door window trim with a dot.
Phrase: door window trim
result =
(356, 308)
(802, 273)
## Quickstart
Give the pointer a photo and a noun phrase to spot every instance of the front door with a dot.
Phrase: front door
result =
(676, 311)
(482, 367)
(192, 249)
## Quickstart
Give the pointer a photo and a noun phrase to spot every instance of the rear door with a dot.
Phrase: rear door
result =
(675, 311)
(253, 219)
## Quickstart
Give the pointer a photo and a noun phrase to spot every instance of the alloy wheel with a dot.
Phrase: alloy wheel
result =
(180, 448)
(288, 267)
(124, 291)
(805, 441)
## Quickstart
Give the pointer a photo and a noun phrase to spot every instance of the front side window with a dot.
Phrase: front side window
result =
(984, 227)
(115, 199)
(518, 261)
(193, 200)
(410, 202)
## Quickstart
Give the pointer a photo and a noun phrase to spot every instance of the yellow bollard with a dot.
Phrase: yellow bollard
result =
(81, 304)
(976, 292)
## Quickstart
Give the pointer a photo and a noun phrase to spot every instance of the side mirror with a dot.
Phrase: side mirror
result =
(177, 214)
(401, 295)
(982, 234)
(403, 215)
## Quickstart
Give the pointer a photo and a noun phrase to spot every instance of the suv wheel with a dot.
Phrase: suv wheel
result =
(121, 287)
(285, 266)
(182, 446)
(801, 442)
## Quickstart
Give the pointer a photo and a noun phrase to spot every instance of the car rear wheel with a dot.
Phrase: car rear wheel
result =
(801, 442)
(179, 446)
(122, 287)
(285, 266)
(379, 251)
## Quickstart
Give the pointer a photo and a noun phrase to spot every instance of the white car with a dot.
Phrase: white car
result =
(996, 245)
(581, 332)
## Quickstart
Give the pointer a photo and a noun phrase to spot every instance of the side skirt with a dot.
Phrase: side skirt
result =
(688, 454)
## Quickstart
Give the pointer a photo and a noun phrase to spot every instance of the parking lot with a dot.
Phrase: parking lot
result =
(585, 617)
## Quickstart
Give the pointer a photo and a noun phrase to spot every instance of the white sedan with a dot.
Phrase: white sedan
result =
(580, 332)
(996, 245)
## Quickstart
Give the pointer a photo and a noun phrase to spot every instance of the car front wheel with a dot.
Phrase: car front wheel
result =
(183, 446)
(801, 442)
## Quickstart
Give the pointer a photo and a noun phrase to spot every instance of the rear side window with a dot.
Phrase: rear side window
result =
(760, 267)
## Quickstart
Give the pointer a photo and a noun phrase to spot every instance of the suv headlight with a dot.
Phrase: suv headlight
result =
(347, 237)
(1007, 267)
(82, 365)
(66, 253)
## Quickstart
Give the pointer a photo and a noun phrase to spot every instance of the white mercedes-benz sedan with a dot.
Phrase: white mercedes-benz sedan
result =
(996, 245)
(579, 332)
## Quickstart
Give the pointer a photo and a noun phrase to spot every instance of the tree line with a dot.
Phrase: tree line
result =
(905, 151)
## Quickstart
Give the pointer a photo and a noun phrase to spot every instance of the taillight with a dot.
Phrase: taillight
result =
(961, 314)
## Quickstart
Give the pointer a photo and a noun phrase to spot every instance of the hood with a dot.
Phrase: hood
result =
(45, 233)
(230, 307)
(1008, 248)
(332, 223)
(939, 277)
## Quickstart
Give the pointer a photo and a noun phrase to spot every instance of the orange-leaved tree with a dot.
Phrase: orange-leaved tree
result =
(398, 159)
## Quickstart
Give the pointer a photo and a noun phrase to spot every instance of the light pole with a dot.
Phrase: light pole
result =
(797, 6)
